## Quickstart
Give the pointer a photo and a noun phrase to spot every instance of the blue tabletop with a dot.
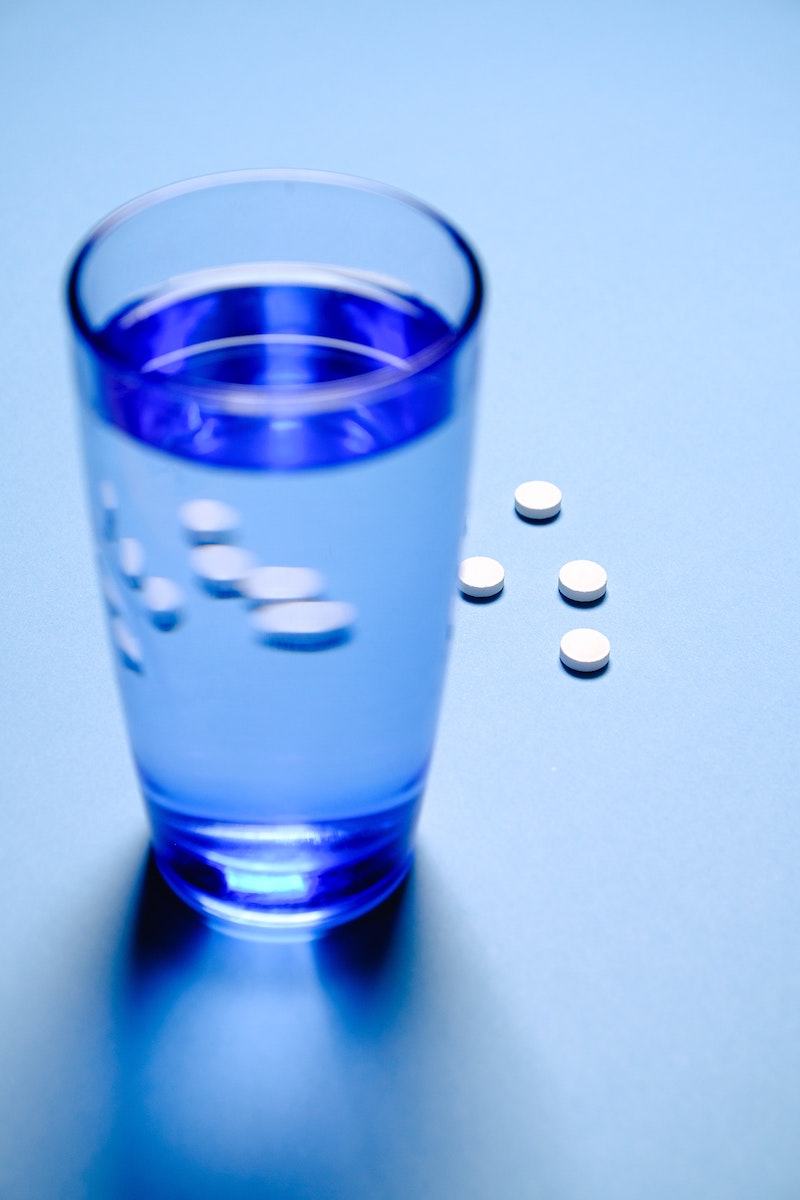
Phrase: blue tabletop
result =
(589, 988)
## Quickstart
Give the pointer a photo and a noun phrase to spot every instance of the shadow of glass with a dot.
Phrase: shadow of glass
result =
(376, 1062)
(442, 1086)
(165, 935)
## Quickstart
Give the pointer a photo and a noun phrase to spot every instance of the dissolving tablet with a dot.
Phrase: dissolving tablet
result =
(582, 580)
(164, 602)
(130, 555)
(110, 506)
(111, 594)
(128, 646)
(537, 500)
(585, 650)
(208, 521)
(304, 624)
(270, 585)
(481, 577)
(221, 569)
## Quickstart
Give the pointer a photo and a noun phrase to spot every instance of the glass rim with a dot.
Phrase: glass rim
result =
(256, 399)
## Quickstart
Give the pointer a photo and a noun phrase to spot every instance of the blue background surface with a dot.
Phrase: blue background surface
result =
(590, 988)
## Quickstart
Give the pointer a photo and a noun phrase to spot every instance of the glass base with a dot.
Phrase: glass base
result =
(283, 880)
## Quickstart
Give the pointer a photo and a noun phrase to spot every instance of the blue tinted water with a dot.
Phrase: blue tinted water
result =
(283, 336)
(280, 779)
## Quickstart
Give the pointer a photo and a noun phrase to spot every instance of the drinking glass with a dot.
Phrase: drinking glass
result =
(276, 373)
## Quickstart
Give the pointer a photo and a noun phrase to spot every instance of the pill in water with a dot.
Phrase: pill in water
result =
(582, 580)
(108, 494)
(585, 650)
(128, 646)
(130, 554)
(111, 594)
(480, 577)
(208, 521)
(221, 569)
(537, 500)
(110, 505)
(304, 624)
(270, 585)
(164, 602)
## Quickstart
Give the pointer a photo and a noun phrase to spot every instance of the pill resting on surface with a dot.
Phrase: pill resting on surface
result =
(537, 500)
(582, 580)
(480, 577)
(585, 650)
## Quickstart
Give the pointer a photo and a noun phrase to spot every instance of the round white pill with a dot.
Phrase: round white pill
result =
(537, 500)
(270, 585)
(221, 569)
(208, 521)
(130, 554)
(304, 623)
(480, 577)
(164, 602)
(582, 580)
(128, 646)
(585, 650)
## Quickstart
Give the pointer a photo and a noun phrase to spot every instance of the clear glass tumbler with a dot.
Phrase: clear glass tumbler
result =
(276, 372)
